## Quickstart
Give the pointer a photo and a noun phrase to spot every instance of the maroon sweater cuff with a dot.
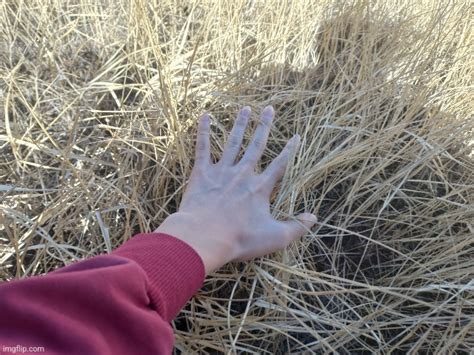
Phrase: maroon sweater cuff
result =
(174, 269)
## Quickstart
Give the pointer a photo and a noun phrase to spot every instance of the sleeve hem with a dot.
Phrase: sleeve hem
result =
(174, 269)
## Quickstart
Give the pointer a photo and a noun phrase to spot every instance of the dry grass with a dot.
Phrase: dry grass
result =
(98, 107)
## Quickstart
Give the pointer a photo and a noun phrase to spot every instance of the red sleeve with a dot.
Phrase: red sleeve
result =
(120, 303)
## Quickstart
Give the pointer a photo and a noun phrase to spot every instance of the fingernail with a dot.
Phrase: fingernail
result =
(246, 111)
(268, 112)
(296, 139)
(205, 118)
(309, 217)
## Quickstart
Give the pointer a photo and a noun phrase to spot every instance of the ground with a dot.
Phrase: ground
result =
(99, 104)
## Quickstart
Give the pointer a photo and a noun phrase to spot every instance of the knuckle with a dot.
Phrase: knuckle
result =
(198, 166)
(281, 166)
(284, 240)
(246, 166)
(243, 188)
(286, 233)
(247, 191)
(200, 147)
(285, 153)
(233, 142)
(281, 159)
(261, 185)
(202, 135)
(241, 122)
(259, 142)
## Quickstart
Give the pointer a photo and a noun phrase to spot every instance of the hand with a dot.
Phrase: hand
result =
(225, 212)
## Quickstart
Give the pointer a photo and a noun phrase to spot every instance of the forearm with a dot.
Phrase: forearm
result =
(119, 303)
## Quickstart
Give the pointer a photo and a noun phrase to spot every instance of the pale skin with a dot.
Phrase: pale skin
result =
(225, 214)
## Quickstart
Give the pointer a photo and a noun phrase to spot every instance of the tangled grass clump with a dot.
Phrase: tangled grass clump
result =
(99, 104)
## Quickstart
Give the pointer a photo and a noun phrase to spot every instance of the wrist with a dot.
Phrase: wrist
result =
(214, 248)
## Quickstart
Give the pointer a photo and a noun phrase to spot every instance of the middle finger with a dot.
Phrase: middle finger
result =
(257, 146)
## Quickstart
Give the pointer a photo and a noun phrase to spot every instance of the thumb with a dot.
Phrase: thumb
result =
(299, 227)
